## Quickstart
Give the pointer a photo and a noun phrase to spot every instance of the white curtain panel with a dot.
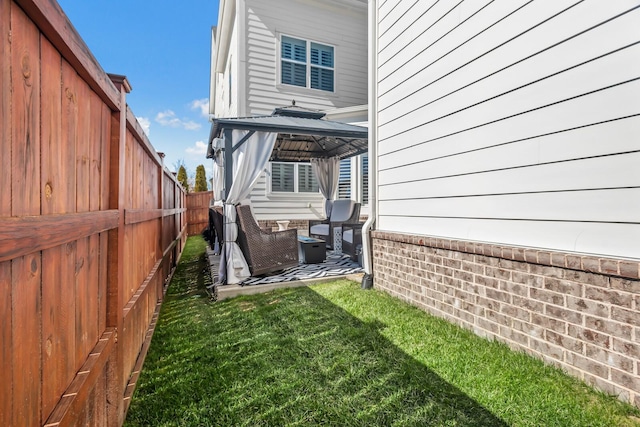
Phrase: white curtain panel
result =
(218, 169)
(249, 161)
(327, 171)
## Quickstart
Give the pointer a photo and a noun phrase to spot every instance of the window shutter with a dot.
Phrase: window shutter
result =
(294, 59)
(282, 178)
(365, 179)
(344, 180)
(322, 78)
(307, 182)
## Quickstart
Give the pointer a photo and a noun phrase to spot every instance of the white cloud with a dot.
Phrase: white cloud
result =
(168, 118)
(199, 149)
(202, 105)
(145, 123)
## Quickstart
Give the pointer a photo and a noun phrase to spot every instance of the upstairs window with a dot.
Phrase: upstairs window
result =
(307, 64)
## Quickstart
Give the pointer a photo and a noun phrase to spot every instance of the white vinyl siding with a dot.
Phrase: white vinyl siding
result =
(511, 122)
(342, 28)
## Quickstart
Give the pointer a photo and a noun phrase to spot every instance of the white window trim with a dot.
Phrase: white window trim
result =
(288, 194)
(308, 87)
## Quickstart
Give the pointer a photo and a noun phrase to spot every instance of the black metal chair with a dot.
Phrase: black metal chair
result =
(343, 211)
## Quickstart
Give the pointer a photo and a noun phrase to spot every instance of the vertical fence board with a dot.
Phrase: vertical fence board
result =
(26, 319)
(83, 151)
(82, 345)
(58, 326)
(6, 349)
(5, 108)
(6, 344)
(69, 135)
(25, 107)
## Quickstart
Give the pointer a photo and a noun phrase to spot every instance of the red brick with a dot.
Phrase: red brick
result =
(588, 365)
(627, 348)
(564, 341)
(531, 256)
(624, 379)
(488, 282)
(528, 279)
(586, 278)
(573, 262)
(528, 304)
(586, 306)
(590, 336)
(563, 286)
(546, 322)
(620, 299)
(608, 266)
(498, 273)
(547, 349)
(507, 253)
(518, 254)
(609, 358)
(498, 295)
(609, 327)
(547, 296)
(488, 303)
(590, 264)
(563, 314)
(544, 258)
(558, 260)
(626, 285)
(630, 269)
(516, 312)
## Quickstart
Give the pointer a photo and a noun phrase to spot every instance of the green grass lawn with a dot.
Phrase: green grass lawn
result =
(336, 355)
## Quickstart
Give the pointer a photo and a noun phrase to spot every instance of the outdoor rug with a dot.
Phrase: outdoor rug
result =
(336, 265)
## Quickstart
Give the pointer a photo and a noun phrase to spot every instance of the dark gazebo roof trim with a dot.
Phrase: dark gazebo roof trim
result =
(301, 135)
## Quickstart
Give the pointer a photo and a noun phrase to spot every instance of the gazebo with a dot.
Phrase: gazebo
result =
(242, 147)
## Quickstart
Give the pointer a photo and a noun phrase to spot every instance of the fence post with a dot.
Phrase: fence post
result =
(115, 257)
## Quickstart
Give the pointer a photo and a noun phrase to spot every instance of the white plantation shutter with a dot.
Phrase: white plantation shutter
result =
(307, 182)
(344, 181)
(365, 179)
(321, 67)
(282, 177)
(294, 61)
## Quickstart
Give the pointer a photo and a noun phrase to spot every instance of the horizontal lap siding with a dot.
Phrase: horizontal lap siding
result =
(511, 122)
(343, 28)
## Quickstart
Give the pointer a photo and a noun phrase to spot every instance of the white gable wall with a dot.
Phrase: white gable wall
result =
(327, 22)
(511, 122)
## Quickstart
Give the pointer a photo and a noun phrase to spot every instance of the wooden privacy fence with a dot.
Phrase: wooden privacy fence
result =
(91, 227)
(198, 211)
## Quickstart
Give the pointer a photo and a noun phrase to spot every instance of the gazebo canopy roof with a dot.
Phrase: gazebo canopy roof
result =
(302, 134)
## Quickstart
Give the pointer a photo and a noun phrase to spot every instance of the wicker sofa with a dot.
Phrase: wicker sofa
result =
(265, 251)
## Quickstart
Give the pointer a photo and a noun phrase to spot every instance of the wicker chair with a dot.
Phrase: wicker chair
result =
(265, 251)
(351, 239)
(343, 211)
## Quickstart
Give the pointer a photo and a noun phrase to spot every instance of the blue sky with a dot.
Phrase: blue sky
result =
(164, 49)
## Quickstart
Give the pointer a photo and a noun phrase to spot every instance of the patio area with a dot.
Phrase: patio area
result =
(336, 266)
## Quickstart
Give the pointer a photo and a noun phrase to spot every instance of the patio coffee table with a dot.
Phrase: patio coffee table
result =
(311, 250)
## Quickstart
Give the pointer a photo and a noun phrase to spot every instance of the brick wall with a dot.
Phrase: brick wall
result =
(580, 313)
(301, 224)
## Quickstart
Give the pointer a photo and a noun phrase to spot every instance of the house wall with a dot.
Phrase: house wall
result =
(515, 124)
(336, 23)
(226, 95)
(327, 22)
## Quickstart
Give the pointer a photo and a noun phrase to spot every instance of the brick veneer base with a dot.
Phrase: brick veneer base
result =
(580, 313)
